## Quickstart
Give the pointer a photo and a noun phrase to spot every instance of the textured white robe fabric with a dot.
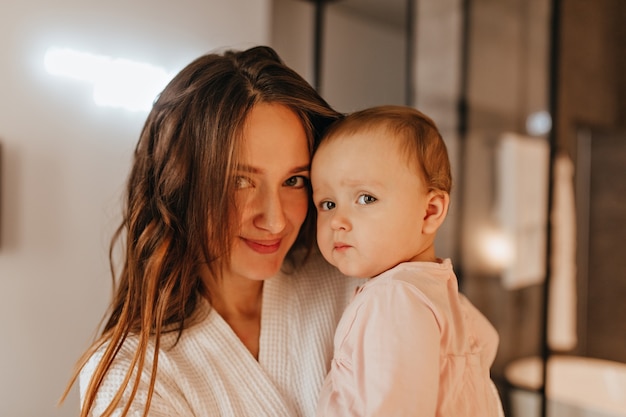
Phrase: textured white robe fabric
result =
(209, 372)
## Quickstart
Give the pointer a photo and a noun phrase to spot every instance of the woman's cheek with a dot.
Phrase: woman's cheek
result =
(297, 207)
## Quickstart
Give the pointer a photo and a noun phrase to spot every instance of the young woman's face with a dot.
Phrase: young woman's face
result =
(371, 205)
(272, 191)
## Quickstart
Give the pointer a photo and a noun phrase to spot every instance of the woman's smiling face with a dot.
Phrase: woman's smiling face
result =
(272, 191)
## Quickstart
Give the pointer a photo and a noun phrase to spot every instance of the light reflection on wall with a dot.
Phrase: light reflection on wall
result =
(538, 123)
(496, 249)
(116, 82)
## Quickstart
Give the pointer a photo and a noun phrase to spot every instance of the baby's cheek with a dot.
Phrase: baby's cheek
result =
(322, 225)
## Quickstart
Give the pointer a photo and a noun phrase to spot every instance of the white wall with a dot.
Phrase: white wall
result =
(64, 163)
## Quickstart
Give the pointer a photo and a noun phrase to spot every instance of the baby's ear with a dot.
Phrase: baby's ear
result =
(436, 210)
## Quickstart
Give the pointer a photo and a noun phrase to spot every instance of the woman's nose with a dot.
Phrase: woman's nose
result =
(271, 213)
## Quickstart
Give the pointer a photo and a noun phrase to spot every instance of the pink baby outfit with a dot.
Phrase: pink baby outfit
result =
(410, 345)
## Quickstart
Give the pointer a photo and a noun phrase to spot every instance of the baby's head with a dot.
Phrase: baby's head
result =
(381, 184)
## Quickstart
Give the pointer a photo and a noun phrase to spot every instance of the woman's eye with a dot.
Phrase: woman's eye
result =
(242, 182)
(366, 199)
(327, 205)
(297, 181)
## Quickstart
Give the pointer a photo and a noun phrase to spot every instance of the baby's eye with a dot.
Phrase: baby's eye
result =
(297, 181)
(365, 199)
(326, 205)
(242, 182)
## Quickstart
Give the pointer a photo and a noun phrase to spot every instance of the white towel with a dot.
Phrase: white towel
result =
(562, 302)
(521, 206)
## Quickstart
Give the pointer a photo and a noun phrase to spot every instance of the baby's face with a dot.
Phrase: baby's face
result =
(371, 205)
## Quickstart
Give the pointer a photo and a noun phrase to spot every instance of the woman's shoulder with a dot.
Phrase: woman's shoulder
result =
(169, 399)
(125, 358)
(114, 376)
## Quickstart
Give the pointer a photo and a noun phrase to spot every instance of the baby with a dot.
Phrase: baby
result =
(409, 344)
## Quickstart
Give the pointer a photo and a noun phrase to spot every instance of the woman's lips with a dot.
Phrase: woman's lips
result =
(263, 246)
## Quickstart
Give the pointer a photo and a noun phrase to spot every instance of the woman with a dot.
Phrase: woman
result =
(221, 307)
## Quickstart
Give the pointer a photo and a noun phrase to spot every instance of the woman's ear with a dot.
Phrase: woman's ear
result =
(436, 211)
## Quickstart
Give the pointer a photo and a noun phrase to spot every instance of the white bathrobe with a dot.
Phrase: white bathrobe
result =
(211, 373)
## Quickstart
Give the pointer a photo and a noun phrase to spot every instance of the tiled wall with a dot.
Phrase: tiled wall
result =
(592, 93)
(601, 327)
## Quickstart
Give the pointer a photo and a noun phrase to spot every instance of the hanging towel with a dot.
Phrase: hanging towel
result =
(522, 206)
(562, 302)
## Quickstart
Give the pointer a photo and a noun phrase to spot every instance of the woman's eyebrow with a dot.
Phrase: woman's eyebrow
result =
(301, 168)
(248, 168)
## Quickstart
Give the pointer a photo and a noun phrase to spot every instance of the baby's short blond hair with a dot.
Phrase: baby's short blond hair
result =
(418, 139)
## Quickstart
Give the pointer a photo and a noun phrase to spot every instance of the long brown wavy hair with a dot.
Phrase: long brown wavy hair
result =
(178, 214)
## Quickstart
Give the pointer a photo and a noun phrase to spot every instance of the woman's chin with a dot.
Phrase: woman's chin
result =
(258, 271)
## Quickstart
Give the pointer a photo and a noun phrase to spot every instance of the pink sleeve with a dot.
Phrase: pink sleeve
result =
(393, 348)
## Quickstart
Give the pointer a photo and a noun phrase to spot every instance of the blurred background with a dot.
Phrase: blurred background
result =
(530, 96)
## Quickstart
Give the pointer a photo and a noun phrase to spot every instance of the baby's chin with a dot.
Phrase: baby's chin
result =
(363, 270)
(351, 267)
(356, 271)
